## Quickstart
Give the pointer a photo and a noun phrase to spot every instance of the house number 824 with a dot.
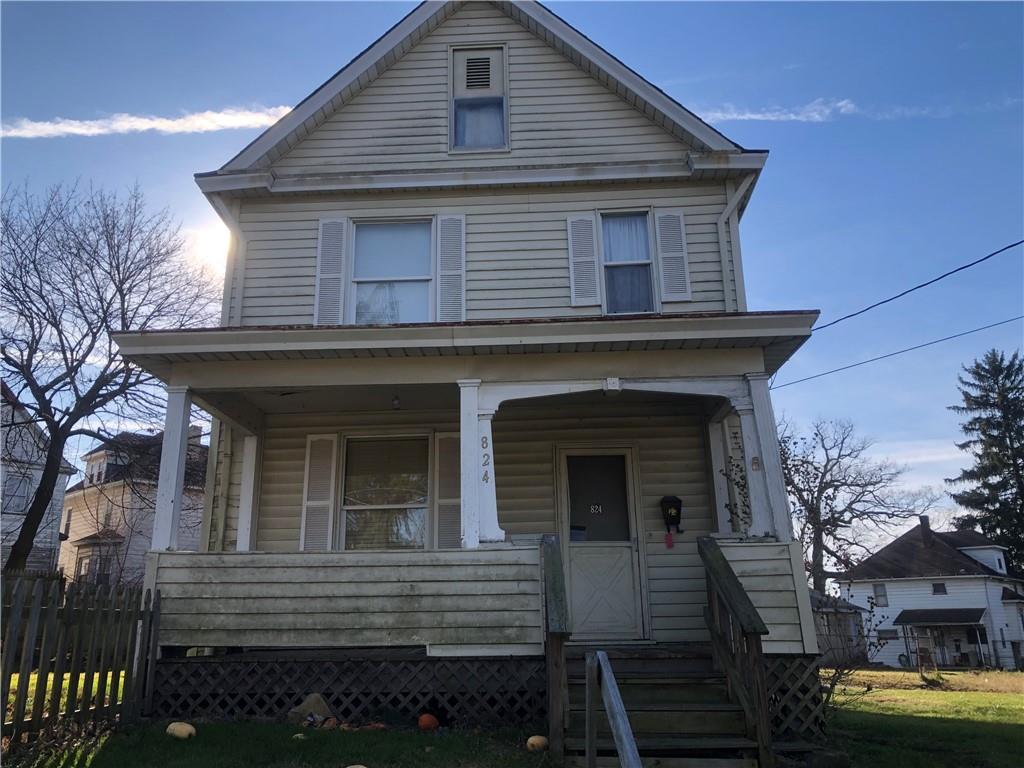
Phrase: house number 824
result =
(485, 459)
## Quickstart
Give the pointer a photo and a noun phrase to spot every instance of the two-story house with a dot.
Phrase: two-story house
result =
(108, 517)
(942, 598)
(22, 457)
(485, 285)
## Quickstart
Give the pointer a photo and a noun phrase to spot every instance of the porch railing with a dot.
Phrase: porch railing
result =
(556, 632)
(601, 683)
(736, 629)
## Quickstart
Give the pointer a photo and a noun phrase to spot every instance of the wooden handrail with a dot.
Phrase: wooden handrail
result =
(556, 625)
(736, 629)
(601, 680)
(728, 584)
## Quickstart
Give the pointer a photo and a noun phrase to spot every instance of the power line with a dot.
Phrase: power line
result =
(918, 287)
(900, 352)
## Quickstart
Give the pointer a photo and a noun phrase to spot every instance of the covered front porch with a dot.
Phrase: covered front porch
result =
(945, 637)
(337, 478)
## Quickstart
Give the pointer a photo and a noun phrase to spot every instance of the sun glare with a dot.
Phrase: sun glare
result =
(207, 246)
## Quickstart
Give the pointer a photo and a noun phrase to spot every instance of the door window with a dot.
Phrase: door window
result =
(598, 504)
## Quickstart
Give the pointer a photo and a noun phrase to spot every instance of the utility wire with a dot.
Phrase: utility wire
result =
(900, 352)
(918, 287)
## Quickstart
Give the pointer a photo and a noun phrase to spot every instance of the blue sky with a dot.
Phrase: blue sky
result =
(894, 129)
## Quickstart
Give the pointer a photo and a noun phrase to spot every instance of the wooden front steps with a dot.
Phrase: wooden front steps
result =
(677, 704)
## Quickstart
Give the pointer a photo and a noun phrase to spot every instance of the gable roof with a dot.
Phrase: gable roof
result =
(914, 555)
(143, 463)
(421, 21)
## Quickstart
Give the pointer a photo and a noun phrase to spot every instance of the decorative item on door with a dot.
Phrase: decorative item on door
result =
(672, 512)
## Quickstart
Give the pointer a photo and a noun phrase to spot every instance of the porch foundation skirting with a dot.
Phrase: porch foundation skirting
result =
(393, 687)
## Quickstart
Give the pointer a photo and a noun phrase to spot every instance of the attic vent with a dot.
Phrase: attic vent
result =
(478, 72)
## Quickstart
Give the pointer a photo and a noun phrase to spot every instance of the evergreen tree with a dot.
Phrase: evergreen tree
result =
(993, 402)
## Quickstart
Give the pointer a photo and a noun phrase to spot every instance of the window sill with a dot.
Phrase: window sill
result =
(474, 151)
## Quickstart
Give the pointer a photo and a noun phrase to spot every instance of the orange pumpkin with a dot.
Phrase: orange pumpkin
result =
(427, 722)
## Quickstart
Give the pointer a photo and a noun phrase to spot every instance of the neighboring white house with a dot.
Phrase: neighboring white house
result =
(22, 457)
(108, 515)
(944, 598)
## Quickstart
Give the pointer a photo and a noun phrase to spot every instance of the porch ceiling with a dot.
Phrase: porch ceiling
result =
(779, 334)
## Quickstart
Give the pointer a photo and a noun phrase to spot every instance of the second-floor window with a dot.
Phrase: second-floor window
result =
(881, 596)
(627, 263)
(383, 272)
(939, 588)
(392, 272)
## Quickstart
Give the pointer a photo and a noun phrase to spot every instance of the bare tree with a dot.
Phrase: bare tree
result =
(78, 266)
(840, 497)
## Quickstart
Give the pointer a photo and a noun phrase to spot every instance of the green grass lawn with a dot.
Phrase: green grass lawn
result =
(926, 728)
(270, 745)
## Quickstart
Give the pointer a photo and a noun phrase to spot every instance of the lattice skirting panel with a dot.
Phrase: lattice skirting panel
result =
(463, 691)
(794, 696)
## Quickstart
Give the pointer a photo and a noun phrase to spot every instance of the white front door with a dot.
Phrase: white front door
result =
(600, 531)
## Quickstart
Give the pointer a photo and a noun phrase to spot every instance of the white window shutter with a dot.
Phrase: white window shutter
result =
(451, 268)
(670, 230)
(584, 278)
(318, 492)
(449, 482)
(330, 272)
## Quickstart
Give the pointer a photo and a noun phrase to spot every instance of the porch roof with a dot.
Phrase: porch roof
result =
(779, 334)
(919, 617)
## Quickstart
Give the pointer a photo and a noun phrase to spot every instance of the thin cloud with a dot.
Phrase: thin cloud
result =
(121, 123)
(823, 110)
(817, 111)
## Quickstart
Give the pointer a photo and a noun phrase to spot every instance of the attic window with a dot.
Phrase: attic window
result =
(479, 109)
(939, 588)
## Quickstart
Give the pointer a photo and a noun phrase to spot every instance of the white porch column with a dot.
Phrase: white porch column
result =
(761, 518)
(487, 498)
(171, 480)
(247, 494)
(768, 434)
(469, 458)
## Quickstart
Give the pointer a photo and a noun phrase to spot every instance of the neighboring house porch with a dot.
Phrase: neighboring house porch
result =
(944, 637)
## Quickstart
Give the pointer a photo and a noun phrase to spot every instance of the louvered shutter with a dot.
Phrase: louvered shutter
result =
(451, 268)
(330, 272)
(584, 278)
(449, 481)
(318, 499)
(670, 230)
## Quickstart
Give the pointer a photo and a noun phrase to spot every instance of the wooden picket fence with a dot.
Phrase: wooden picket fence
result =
(82, 653)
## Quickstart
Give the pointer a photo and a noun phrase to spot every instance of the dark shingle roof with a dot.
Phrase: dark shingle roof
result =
(909, 557)
(822, 602)
(143, 464)
(939, 616)
(1009, 596)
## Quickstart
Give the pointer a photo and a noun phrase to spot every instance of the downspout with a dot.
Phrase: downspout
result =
(733, 200)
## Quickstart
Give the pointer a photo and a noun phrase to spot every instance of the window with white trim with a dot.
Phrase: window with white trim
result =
(479, 110)
(385, 493)
(886, 635)
(392, 272)
(627, 263)
(383, 272)
(881, 596)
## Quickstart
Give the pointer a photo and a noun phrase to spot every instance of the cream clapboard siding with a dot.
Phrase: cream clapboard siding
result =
(517, 251)
(443, 600)
(557, 113)
(766, 571)
(227, 490)
(669, 443)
